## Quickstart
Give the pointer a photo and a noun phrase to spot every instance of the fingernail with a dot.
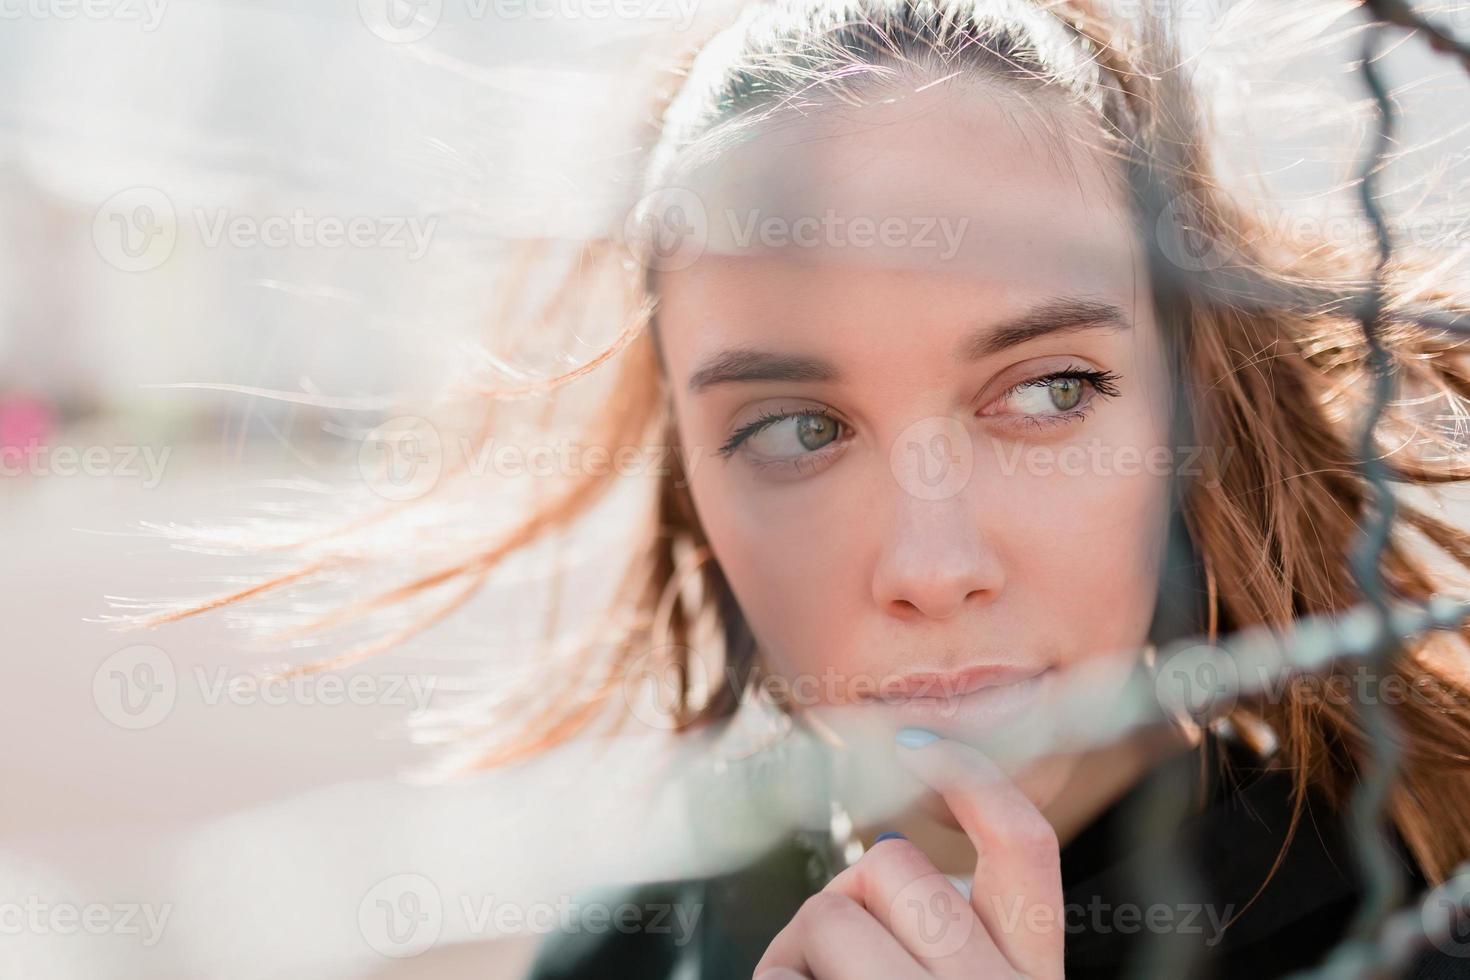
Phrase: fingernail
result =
(915, 738)
(888, 835)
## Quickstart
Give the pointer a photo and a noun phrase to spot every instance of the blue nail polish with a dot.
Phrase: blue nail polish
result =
(915, 738)
(888, 835)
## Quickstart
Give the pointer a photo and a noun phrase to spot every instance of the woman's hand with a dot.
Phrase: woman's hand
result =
(893, 915)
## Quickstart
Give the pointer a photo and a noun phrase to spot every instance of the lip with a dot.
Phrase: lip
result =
(965, 701)
(937, 685)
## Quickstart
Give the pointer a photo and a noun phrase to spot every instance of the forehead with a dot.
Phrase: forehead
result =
(961, 203)
(959, 178)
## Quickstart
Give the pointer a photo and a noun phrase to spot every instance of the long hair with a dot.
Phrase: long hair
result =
(1262, 330)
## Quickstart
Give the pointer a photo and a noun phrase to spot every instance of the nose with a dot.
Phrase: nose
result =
(934, 560)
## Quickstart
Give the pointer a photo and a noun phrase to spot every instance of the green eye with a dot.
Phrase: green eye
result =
(1065, 393)
(815, 431)
(786, 436)
(1059, 395)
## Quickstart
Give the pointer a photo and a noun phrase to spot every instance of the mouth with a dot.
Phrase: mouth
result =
(951, 684)
(972, 698)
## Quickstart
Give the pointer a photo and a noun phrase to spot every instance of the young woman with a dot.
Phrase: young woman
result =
(924, 291)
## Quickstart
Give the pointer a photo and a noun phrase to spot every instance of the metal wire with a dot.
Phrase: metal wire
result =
(1377, 946)
(1380, 943)
(1375, 859)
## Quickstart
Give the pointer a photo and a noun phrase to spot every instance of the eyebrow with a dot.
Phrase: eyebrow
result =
(1059, 315)
(1064, 314)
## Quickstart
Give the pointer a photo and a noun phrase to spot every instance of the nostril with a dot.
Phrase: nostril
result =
(908, 610)
(904, 609)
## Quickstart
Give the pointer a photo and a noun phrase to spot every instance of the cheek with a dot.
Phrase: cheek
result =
(792, 555)
(1106, 582)
(1083, 534)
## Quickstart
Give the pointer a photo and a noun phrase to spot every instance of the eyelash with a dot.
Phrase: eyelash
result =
(766, 420)
(1103, 382)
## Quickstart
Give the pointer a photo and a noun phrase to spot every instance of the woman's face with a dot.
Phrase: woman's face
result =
(924, 426)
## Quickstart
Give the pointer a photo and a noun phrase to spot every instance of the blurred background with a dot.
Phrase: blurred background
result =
(205, 201)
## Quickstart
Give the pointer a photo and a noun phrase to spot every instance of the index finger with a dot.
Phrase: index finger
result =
(1017, 891)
